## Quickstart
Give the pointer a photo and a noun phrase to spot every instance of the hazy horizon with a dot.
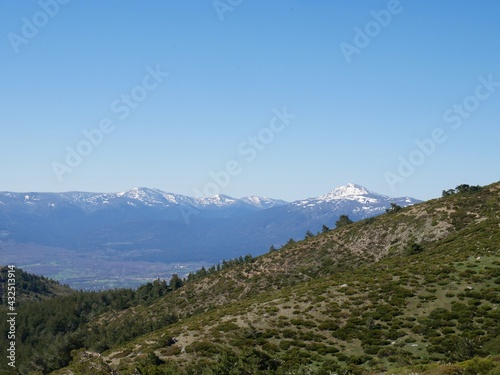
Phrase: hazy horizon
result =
(173, 192)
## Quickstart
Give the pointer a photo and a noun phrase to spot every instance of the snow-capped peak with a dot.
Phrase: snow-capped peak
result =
(347, 191)
(355, 199)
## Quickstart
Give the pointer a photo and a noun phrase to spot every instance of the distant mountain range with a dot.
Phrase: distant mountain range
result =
(166, 227)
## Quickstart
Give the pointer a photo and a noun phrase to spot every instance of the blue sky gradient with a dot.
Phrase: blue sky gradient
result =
(228, 74)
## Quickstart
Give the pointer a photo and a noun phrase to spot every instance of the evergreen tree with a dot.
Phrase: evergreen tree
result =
(175, 282)
(414, 248)
(202, 271)
(343, 220)
(464, 188)
(393, 209)
(448, 192)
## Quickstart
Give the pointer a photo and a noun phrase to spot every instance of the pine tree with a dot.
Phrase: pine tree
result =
(175, 282)
(343, 220)
(393, 209)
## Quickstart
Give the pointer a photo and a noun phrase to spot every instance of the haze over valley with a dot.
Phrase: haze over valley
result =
(102, 240)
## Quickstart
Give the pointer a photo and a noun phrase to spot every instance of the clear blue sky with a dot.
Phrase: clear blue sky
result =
(228, 71)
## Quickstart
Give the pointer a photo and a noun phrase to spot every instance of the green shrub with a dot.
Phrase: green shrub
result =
(478, 366)
(202, 347)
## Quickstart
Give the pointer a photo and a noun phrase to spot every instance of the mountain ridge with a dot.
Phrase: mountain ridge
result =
(155, 195)
(149, 225)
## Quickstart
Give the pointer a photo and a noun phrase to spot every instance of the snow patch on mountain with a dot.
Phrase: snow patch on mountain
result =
(263, 202)
(149, 197)
(219, 200)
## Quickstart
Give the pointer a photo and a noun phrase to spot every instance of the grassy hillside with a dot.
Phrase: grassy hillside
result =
(403, 291)
(340, 250)
(412, 288)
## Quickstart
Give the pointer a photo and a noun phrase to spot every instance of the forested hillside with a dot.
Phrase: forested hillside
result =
(31, 287)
